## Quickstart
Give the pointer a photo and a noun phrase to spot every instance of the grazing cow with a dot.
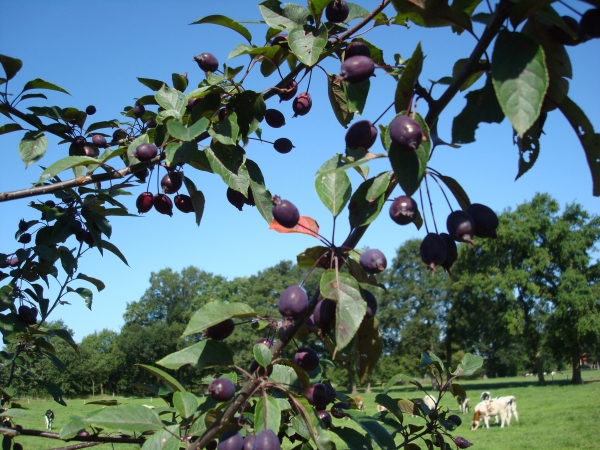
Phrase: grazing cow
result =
(463, 404)
(49, 416)
(493, 407)
(511, 408)
(360, 403)
(485, 396)
(381, 408)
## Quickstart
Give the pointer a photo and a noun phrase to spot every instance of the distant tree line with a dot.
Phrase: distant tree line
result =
(528, 301)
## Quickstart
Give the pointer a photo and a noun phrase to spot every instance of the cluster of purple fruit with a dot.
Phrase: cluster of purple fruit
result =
(358, 65)
(28, 314)
(263, 440)
(587, 28)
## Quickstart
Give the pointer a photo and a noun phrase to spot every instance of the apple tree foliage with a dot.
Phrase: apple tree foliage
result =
(521, 55)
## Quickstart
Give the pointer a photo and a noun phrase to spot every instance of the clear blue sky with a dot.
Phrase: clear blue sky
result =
(96, 50)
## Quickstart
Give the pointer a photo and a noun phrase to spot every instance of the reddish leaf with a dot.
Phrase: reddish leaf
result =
(306, 225)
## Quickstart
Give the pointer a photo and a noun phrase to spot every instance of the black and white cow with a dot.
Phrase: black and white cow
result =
(49, 416)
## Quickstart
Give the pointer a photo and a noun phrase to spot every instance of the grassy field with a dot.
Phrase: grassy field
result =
(558, 416)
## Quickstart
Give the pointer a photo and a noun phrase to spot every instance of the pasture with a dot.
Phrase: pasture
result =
(558, 416)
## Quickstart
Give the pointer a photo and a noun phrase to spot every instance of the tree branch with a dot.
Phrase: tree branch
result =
(11, 432)
(435, 108)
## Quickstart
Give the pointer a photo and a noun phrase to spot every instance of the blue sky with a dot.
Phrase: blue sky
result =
(96, 50)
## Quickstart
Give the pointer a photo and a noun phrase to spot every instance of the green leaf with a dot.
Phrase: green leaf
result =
(431, 13)
(86, 294)
(402, 377)
(529, 145)
(301, 374)
(38, 83)
(352, 438)
(369, 347)
(390, 404)
(96, 282)
(351, 308)
(180, 153)
(469, 365)
(186, 404)
(458, 66)
(32, 147)
(334, 190)
(103, 402)
(155, 85)
(170, 98)
(66, 163)
(457, 389)
(262, 354)
(165, 439)
(309, 257)
(216, 312)
(16, 413)
(307, 43)
(459, 193)
(373, 428)
(267, 414)
(367, 201)
(179, 82)
(177, 387)
(226, 161)
(356, 95)
(589, 139)
(103, 124)
(524, 9)
(113, 249)
(178, 131)
(262, 197)
(10, 65)
(520, 78)
(10, 127)
(65, 336)
(316, 7)
(197, 199)
(410, 166)
(225, 22)
(227, 131)
(482, 106)
(406, 84)
(70, 429)
(205, 353)
(126, 418)
(317, 430)
(337, 98)
(275, 18)
(38, 95)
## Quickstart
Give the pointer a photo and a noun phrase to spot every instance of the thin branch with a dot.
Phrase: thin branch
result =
(76, 446)
(46, 434)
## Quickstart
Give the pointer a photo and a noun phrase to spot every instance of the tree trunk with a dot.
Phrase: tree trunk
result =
(101, 389)
(576, 363)
(540, 369)
(448, 344)
(368, 390)
(93, 388)
(351, 381)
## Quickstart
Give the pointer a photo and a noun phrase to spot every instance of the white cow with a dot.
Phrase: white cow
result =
(463, 404)
(483, 410)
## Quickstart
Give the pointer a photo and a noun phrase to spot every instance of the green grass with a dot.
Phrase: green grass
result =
(558, 416)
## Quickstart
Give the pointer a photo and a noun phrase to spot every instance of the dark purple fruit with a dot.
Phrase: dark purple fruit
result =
(337, 11)
(171, 182)
(318, 395)
(99, 141)
(17, 446)
(325, 417)
(361, 134)
(285, 213)
(23, 225)
(357, 48)
(373, 261)
(461, 442)
(485, 219)
(90, 151)
(163, 204)
(144, 202)
(293, 302)
(451, 252)
(406, 133)
(274, 118)
(302, 104)
(248, 441)
(290, 93)
(281, 40)
(90, 110)
(221, 389)
(207, 62)
(145, 152)
(79, 141)
(221, 330)
(82, 433)
(454, 418)
(142, 174)
(324, 314)
(337, 410)
(371, 303)
(266, 440)
(25, 238)
(50, 203)
(230, 440)
(283, 145)
(307, 358)
(403, 210)
(266, 342)
(212, 445)
(138, 110)
(119, 134)
(433, 250)
(151, 123)
(84, 236)
(460, 226)
(236, 198)
(27, 314)
(590, 23)
(184, 203)
(357, 69)
(564, 38)
(75, 225)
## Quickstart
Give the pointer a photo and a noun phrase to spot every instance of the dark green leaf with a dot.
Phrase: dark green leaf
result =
(275, 18)
(70, 429)
(227, 131)
(367, 201)
(179, 82)
(473, 77)
(104, 124)
(216, 312)
(352, 438)
(356, 95)
(262, 354)
(369, 347)
(406, 84)
(309, 257)
(226, 161)
(457, 389)
(526, 8)
(197, 199)
(155, 85)
(38, 83)
(469, 365)
(317, 430)
(172, 382)
(267, 415)
(186, 403)
(96, 282)
(10, 127)
(225, 22)
(10, 65)
(379, 434)
(86, 294)
(180, 153)
(520, 78)
(178, 131)
(103, 402)
(402, 377)
(111, 248)
(316, 7)
(431, 13)
(262, 197)
(300, 373)
(459, 193)
(390, 404)
(337, 98)
(529, 145)
(26, 96)
(32, 147)
(482, 106)
(165, 439)
(126, 418)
